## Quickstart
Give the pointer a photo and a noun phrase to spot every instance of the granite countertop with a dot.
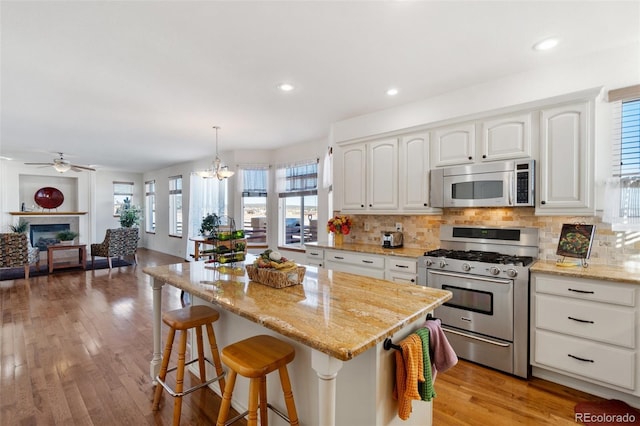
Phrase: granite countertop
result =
(336, 313)
(371, 249)
(623, 274)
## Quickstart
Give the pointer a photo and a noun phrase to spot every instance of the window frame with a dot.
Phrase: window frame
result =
(254, 188)
(297, 180)
(150, 206)
(176, 221)
(622, 190)
(118, 193)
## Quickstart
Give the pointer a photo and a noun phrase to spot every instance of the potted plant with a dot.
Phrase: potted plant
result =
(66, 236)
(130, 216)
(210, 224)
(21, 227)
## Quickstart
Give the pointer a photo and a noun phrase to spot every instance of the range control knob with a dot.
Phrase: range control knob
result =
(443, 263)
(466, 267)
(512, 273)
(494, 270)
(428, 262)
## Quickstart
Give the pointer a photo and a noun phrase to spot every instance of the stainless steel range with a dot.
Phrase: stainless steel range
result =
(487, 270)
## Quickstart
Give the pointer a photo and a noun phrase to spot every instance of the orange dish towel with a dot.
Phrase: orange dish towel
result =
(409, 370)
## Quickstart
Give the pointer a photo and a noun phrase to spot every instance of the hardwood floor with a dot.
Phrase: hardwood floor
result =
(75, 350)
(469, 394)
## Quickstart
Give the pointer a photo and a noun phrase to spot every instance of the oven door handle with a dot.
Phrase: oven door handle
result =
(466, 277)
(481, 339)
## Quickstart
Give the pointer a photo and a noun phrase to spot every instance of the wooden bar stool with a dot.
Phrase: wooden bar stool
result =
(254, 358)
(183, 320)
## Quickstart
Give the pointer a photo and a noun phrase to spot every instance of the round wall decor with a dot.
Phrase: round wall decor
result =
(48, 198)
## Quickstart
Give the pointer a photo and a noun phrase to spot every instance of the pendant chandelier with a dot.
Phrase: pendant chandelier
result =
(217, 170)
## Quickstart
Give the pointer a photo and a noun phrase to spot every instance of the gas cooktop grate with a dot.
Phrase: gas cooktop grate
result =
(481, 256)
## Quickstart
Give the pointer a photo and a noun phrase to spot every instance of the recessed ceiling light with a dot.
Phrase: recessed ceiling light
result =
(546, 44)
(286, 87)
(392, 92)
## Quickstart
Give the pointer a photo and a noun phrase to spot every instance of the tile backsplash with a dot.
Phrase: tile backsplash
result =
(609, 247)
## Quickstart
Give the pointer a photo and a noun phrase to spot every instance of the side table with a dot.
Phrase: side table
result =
(82, 256)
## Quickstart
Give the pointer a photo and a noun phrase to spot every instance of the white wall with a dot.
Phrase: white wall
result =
(90, 192)
(161, 241)
(103, 196)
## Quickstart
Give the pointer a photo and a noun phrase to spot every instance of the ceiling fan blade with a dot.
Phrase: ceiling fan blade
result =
(39, 164)
(77, 168)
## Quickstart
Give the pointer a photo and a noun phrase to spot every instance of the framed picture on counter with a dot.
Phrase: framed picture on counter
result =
(576, 240)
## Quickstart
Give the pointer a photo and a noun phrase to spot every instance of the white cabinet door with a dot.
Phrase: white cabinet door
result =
(414, 172)
(350, 177)
(566, 160)
(382, 175)
(506, 137)
(454, 145)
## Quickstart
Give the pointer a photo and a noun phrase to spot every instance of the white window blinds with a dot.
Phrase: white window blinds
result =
(297, 179)
(622, 207)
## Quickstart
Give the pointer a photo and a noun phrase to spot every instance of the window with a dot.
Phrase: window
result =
(622, 207)
(150, 206)
(175, 206)
(298, 193)
(254, 203)
(206, 196)
(122, 195)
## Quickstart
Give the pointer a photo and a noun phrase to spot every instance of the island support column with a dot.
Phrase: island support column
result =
(154, 366)
(327, 369)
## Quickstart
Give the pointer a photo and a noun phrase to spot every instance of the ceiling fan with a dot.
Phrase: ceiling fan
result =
(61, 165)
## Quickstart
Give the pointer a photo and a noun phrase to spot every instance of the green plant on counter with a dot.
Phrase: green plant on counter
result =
(21, 227)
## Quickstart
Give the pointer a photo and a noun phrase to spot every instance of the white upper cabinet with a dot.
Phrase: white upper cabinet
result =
(388, 175)
(382, 174)
(566, 184)
(506, 138)
(366, 176)
(454, 145)
(500, 138)
(350, 177)
(414, 172)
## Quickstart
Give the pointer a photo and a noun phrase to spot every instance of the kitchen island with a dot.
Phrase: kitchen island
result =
(336, 321)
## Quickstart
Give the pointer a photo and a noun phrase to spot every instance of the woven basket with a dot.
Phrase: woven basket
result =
(274, 278)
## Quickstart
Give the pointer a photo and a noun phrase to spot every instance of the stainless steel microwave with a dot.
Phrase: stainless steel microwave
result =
(496, 184)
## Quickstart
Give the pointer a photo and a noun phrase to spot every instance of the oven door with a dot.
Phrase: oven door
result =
(479, 190)
(479, 304)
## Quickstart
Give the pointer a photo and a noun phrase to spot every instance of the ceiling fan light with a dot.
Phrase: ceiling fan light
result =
(62, 167)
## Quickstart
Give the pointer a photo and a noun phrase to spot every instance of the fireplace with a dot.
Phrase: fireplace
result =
(44, 235)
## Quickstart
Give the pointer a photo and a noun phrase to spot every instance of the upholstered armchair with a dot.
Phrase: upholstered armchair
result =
(15, 251)
(118, 242)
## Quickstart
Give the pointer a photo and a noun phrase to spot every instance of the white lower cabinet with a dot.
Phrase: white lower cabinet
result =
(369, 265)
(401, 270)
(314, 256)
(586, 329)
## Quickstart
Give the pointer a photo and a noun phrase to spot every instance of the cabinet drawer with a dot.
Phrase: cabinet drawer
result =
(586, 289)
(597, 321)
(399, 277)
(313, 253)
(591, 360)
(409, 266)
(357, 259)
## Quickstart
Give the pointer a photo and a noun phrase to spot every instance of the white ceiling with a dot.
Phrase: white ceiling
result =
(137, 85)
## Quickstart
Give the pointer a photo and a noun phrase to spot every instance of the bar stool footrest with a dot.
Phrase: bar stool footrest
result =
(191, 389)
(274, 409)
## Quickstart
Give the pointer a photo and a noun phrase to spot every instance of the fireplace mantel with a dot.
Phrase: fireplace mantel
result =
(47, 213)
